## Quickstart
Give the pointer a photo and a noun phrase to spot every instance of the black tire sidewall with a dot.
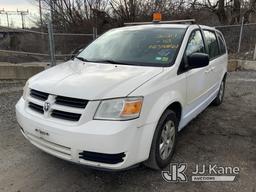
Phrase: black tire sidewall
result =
(217, 100)
(224, 87)
(168, 115)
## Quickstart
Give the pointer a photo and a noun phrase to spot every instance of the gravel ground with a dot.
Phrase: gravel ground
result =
(223, 135)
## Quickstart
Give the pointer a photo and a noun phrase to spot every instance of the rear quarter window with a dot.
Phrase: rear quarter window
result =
(221, 44)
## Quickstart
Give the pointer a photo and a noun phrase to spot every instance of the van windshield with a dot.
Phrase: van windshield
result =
(148, 47)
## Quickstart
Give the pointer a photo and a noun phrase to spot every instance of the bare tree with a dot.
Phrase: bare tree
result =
(77, 15)
(250, 9)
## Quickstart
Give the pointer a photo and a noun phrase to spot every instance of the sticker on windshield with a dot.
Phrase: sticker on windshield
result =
(165, 59)
(167, 46)
(158, 58)
(162, 59)
(164, 52)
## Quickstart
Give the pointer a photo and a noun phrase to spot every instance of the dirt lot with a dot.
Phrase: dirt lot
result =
(224, 135)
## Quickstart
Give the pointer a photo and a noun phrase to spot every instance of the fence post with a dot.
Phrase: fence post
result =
(51, 43)
(254, 55)
(95, 33)
(241, 34)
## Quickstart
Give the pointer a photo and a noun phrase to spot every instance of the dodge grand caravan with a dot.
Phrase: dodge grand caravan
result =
(123, 98)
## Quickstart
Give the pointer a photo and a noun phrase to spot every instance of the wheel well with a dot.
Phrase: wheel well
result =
(176, 107)
(225, 76)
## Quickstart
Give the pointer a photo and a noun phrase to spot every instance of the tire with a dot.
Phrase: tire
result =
(219, 98)
(161, 160)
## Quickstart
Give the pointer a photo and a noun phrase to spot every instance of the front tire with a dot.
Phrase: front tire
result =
(164, 141)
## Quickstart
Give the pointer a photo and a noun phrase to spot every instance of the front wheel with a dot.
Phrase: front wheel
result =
(218, 100)
(164, 141)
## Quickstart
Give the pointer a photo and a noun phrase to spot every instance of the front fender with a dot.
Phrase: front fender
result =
(162, 104)
(155, 111)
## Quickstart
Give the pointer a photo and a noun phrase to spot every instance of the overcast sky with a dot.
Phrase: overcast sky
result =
(13, 5)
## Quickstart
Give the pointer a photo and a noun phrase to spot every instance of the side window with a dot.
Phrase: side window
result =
(195, 43)
(221, 44)
(211, 43)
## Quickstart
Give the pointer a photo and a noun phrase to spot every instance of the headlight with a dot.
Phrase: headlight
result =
(25, 91)
(119, 109)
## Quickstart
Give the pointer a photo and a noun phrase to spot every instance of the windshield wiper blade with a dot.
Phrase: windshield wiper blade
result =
(109, 61)
(81, 59)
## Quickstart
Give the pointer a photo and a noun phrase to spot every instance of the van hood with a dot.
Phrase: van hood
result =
(92, 81)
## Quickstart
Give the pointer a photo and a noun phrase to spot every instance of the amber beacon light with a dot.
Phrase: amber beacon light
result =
(157, 17)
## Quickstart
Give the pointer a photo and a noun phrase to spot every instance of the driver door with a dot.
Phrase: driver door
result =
(197, 79)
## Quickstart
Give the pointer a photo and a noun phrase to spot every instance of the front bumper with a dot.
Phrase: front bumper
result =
(126, 139)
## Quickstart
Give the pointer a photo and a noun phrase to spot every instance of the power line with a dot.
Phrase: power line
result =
(23, 14)
(18, 12)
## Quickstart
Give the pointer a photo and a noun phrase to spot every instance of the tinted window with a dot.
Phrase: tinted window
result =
(136, 46)
(212, 44)
(195, 43)
(221, 44)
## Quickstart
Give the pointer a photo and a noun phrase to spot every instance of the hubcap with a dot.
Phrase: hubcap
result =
(221, 91)
(167, 139)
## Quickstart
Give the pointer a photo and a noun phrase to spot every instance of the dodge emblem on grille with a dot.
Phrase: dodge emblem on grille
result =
(46, 106)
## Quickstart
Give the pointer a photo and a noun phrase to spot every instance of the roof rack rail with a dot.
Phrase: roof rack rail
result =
(185, 21)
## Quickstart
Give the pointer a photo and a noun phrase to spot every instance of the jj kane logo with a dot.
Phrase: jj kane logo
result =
(176, 173)
(210, 173)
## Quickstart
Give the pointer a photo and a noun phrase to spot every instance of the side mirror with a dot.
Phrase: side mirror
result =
(198, 60)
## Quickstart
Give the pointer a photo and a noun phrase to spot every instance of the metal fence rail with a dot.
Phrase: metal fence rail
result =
(240, 39)
(9, 29)
(31, 53)
(65, 42)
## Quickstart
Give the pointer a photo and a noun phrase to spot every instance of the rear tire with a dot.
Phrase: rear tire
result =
(164, 141)
(219, 99)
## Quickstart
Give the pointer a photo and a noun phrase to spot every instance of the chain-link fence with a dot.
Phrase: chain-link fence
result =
(23, 46)
(245, 35)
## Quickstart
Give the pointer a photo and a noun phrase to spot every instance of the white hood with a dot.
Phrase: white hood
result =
(92, 81)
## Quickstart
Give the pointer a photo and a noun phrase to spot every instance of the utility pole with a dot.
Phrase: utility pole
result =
(1, 12)
(23, 14)
(40, 12)
(7, 17)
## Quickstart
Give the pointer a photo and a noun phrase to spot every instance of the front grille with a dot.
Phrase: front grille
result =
(65, 115)
(36, 107)
(37, 99)
(102, 158)
(71, 102)
(39, 95)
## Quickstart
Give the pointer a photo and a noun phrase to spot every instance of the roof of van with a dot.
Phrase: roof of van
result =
(156, 26)
(148, 26)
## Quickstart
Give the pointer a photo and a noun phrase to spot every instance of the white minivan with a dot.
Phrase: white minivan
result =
(122, 99)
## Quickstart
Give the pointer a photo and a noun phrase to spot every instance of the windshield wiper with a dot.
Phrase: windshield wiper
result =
(109, 61)
(102, 61)
(81, 59)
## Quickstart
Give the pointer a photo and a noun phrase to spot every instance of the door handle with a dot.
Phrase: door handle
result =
(208, 70)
